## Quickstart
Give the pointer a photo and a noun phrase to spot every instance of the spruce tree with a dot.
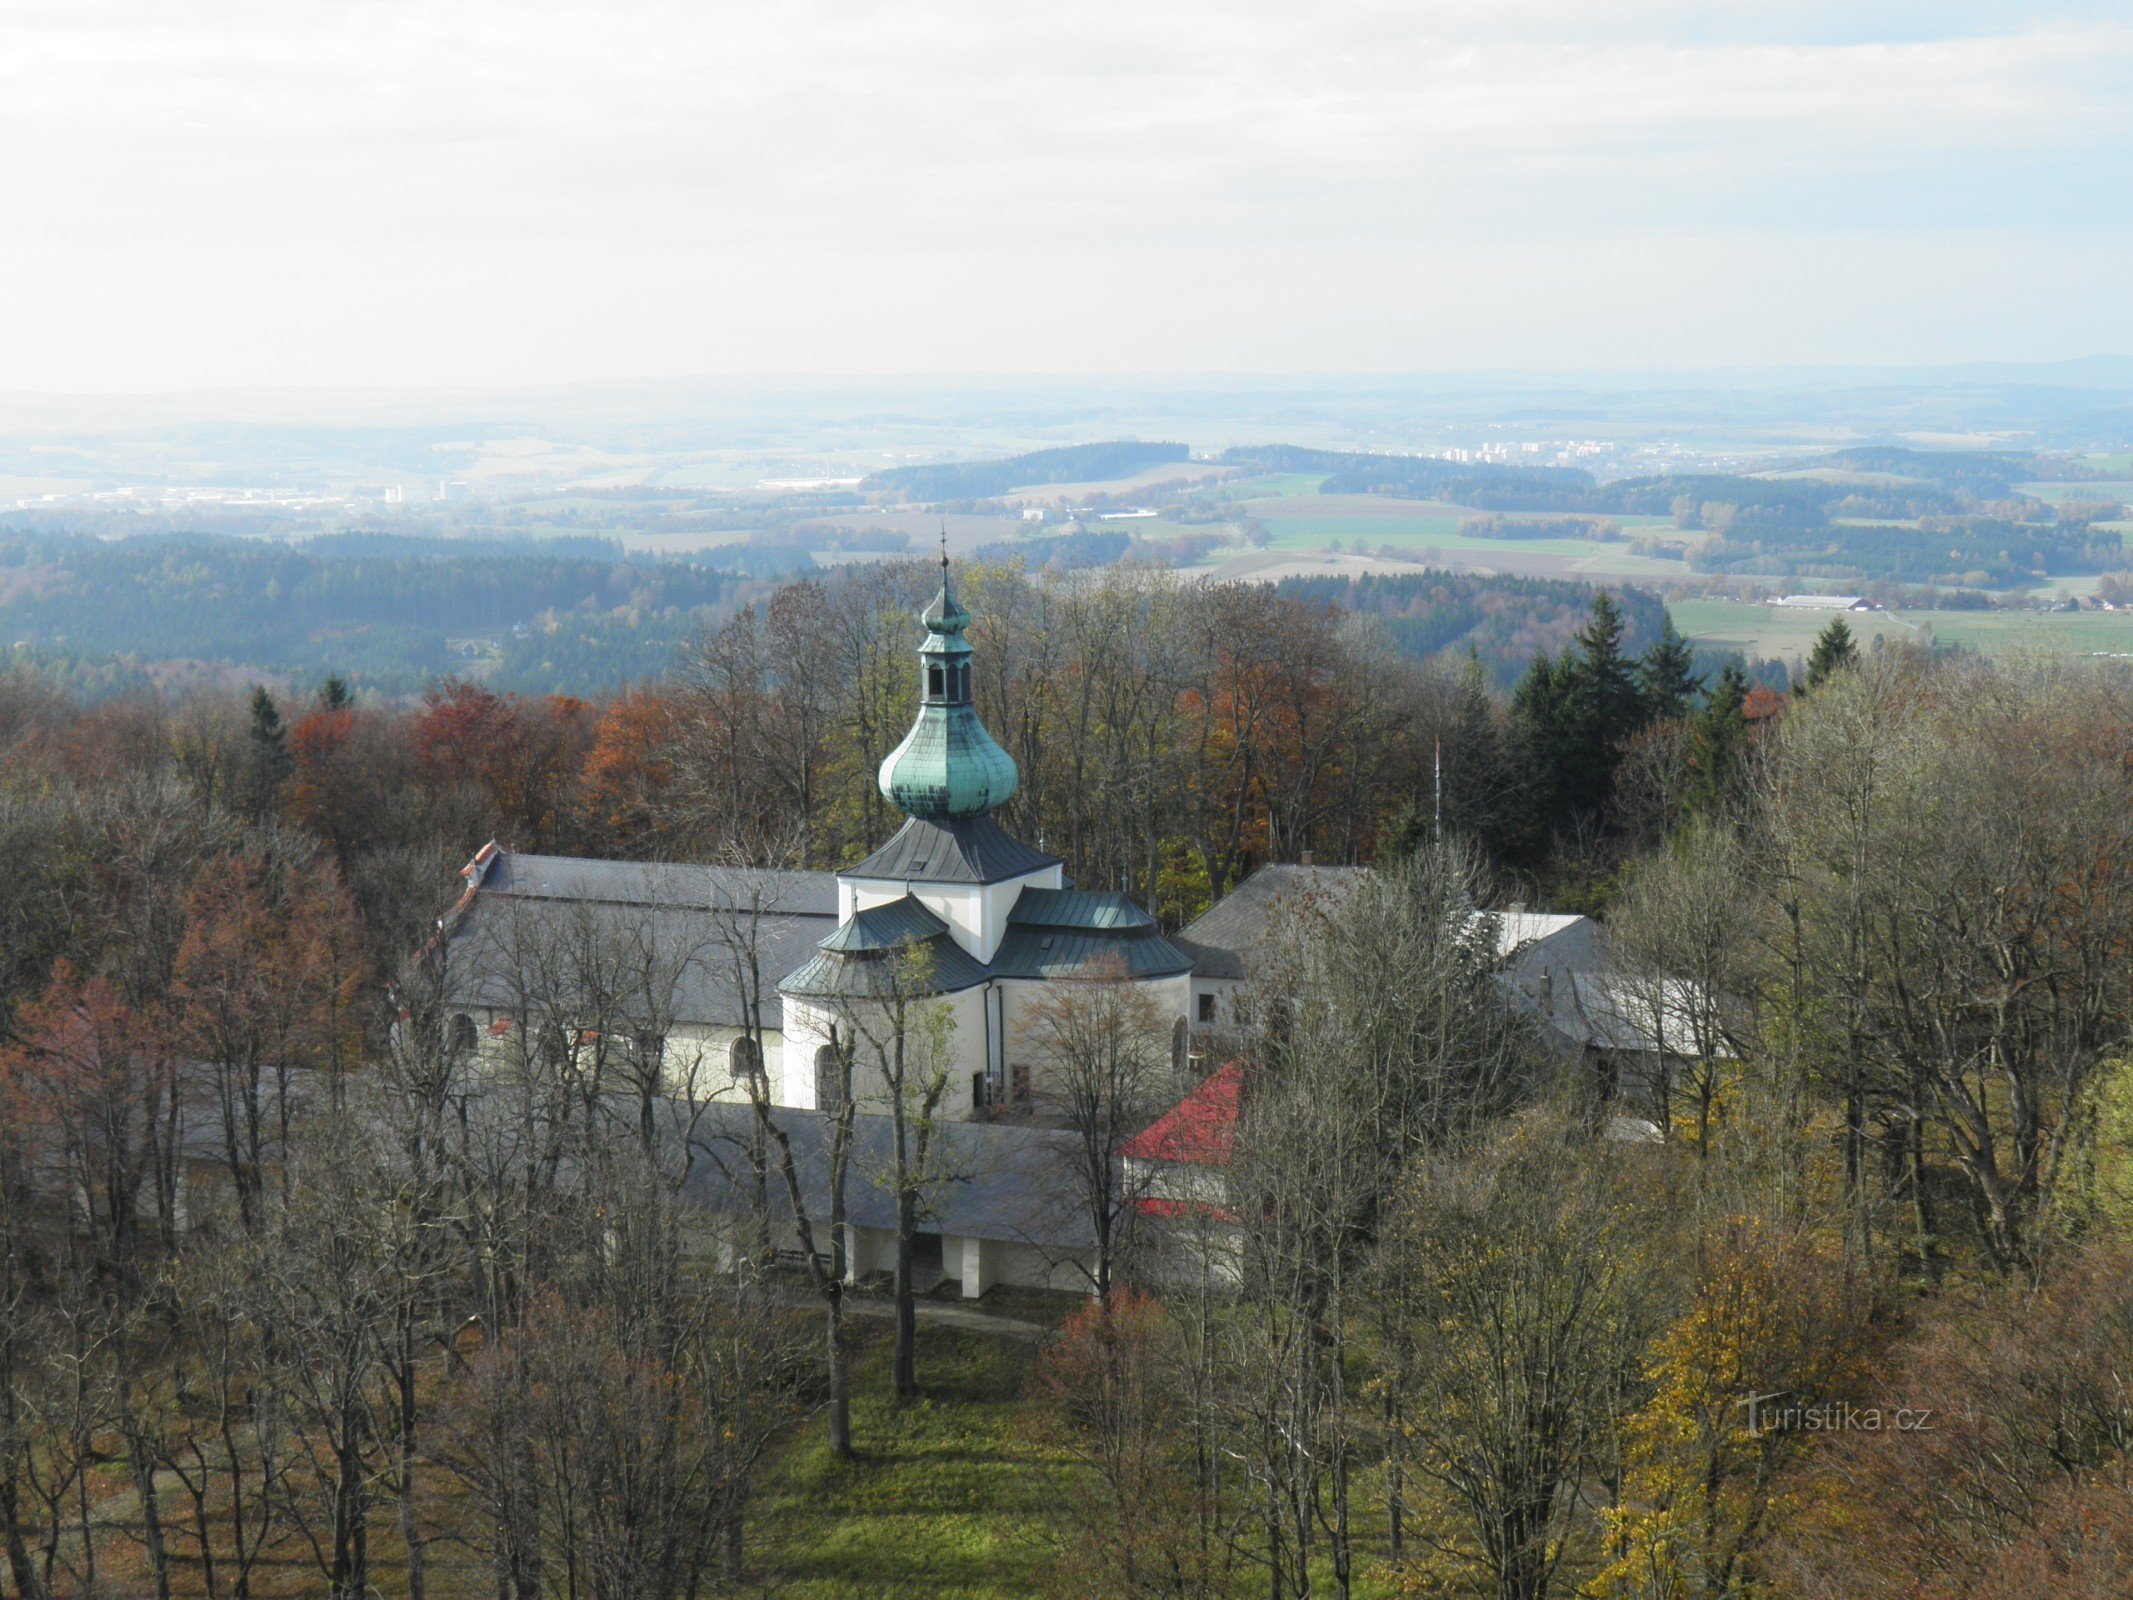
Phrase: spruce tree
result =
(1835, 649)
(1666, 675)
(1717, 740)
(270, 762)
(1611, 702)
(1541, 708)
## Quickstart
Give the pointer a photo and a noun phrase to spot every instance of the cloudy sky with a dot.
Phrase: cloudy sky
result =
(216, 192)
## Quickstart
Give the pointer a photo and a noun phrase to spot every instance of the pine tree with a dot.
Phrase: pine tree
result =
(1834, 650)
(1666, 675)
(333, 694)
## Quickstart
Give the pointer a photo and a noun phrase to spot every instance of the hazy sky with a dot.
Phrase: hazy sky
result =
(446, 192)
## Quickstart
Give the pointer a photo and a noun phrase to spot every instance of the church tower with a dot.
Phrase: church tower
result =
(994, 920)
(948, 765)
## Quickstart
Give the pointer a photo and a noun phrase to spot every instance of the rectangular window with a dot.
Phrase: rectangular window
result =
(933, 682)
(1207, 1008)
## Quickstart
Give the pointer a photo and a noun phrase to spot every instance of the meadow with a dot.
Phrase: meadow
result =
(1784, 635)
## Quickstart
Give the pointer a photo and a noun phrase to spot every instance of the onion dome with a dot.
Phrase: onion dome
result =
(947, 766)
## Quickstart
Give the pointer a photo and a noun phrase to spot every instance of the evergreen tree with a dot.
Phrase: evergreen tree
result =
(1834, 650)
(1666, 675)
(1610, 699)
(333, 694)
(1542, 711)
(1717, 740)
(270, 761)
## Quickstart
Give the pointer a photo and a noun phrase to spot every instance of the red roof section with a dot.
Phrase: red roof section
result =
(1199, 1128)
(1170, 1210)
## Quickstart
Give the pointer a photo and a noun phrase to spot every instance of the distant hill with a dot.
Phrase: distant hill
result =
(377, 610)
(1982, 474)
(1484, 485)
(981, 480)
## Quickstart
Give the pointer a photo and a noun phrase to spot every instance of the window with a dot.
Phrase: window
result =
(934, 689)
(459, 1038)
(829, 1087)
(1207, 1008)
(744, 1059)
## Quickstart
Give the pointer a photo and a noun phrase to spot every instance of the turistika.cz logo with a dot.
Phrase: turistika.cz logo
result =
(1784, 1412)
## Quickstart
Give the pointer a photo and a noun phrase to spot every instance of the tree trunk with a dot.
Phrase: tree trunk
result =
(840, 1382)
(143, 1467)
(904, 1368)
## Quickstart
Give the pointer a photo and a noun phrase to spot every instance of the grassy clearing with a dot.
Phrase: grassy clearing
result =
(948, 1497)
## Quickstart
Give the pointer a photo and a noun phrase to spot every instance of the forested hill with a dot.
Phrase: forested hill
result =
(1480, 484)
(1505, 621)
(374, 609)
(977, 480)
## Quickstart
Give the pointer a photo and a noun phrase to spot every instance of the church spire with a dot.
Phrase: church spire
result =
(947, 765)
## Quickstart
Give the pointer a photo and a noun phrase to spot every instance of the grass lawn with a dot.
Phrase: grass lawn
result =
(946, 1498)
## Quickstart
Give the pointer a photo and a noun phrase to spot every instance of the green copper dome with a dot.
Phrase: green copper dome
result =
(948, 765)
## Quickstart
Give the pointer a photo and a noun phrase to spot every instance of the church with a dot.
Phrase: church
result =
(952, 910)
(680, 974)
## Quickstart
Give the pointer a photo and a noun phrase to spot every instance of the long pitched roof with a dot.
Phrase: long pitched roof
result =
(999, 1181)
(666, 933)
(1222, 942)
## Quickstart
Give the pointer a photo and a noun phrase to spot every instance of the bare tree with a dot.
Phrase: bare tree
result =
(1525, 1265)
(1104, 1050)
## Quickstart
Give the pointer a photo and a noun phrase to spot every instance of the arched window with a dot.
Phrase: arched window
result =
(829, 1085)
(743, 1059)
(934, 688)
(459, 1036)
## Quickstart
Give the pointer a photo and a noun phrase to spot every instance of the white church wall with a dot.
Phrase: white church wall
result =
(807, 1031)
(696, 1059)
(1024, 1047)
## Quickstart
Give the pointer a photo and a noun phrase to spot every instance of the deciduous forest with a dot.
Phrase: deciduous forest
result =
(295, 1300)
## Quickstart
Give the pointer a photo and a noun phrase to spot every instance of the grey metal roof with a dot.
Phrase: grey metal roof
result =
(871, 975)
(952, 850)
(659, 883)
(1042, 952)
(1078, 908)
(998, 1180)
(545, 927)
(1222, 940)
(885, 927)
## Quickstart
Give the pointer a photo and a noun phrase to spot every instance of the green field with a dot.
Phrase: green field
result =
(1307, 522)
(1784, 635)
(1274, 485)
